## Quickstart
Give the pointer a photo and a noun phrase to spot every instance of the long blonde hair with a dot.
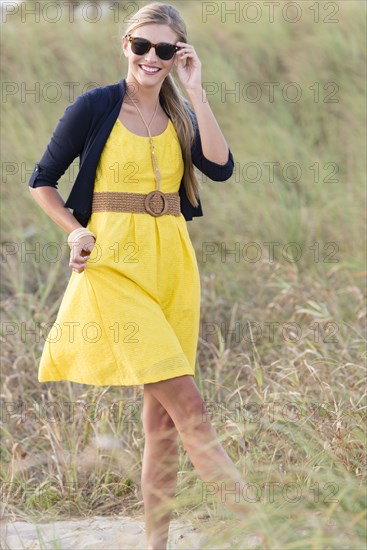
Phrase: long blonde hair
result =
(176, 104)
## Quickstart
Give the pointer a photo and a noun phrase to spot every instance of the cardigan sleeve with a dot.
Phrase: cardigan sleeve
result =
(214, 171)
(67, 142)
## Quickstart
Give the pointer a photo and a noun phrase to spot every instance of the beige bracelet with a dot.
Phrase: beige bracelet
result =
(77, 233)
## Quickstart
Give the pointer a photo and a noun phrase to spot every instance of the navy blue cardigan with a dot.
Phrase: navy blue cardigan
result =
(83, 130)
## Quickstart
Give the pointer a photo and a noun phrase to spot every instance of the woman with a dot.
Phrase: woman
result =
(134, 309)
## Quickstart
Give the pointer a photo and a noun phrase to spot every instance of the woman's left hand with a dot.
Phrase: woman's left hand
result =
(188, 66)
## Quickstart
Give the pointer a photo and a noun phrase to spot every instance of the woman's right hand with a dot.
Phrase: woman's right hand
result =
(80, 253)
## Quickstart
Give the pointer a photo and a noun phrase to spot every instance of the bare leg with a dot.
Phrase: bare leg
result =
(181, 398)
(159, 472)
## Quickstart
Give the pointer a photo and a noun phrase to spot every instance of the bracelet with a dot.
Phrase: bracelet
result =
(77, 233)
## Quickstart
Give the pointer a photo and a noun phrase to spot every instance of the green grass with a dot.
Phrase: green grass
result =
(322, 364)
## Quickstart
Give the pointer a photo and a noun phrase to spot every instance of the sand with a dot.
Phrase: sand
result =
(106, 533)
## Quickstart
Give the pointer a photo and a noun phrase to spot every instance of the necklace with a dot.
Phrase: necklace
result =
(154, 159)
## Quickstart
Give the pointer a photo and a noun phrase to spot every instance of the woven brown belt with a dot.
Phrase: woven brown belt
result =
(154, 203)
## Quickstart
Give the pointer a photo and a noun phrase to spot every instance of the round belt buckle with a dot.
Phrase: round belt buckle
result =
(149, 197)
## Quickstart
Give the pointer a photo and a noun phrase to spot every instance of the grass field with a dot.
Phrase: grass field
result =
(281, 354)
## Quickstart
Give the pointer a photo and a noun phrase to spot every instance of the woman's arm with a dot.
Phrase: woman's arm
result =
(214, 171)
(214, 146)
(210, 152)
(66, 144)
(53, 204)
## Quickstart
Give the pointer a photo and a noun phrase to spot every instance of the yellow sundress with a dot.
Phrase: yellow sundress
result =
(132, 316)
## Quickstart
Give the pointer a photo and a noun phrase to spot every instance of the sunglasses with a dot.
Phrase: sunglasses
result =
(140, 46)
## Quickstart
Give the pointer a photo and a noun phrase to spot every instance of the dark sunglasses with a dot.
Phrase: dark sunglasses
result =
(140, 46)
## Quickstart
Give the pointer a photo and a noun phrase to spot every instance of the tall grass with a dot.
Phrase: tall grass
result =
(289, 406)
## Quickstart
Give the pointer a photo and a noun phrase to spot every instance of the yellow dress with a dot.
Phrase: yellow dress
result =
(132, 316)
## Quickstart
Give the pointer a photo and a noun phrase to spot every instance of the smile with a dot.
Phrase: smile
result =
(149, 70)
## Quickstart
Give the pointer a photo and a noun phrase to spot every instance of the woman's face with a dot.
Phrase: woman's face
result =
(154, 33)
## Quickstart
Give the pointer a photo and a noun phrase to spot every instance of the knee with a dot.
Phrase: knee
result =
(153, 424)
(183, 406)
(192, 412)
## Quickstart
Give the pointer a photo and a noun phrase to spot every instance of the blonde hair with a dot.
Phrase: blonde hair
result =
(176, 104)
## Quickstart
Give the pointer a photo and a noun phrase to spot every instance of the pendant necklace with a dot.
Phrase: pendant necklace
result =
(154, 159)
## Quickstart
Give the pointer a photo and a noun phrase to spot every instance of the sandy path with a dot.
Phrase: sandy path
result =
(102, 533)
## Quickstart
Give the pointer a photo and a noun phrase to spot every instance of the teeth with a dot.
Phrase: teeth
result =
(150, 70)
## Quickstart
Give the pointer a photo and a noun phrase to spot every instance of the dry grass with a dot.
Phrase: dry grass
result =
(289, 407)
